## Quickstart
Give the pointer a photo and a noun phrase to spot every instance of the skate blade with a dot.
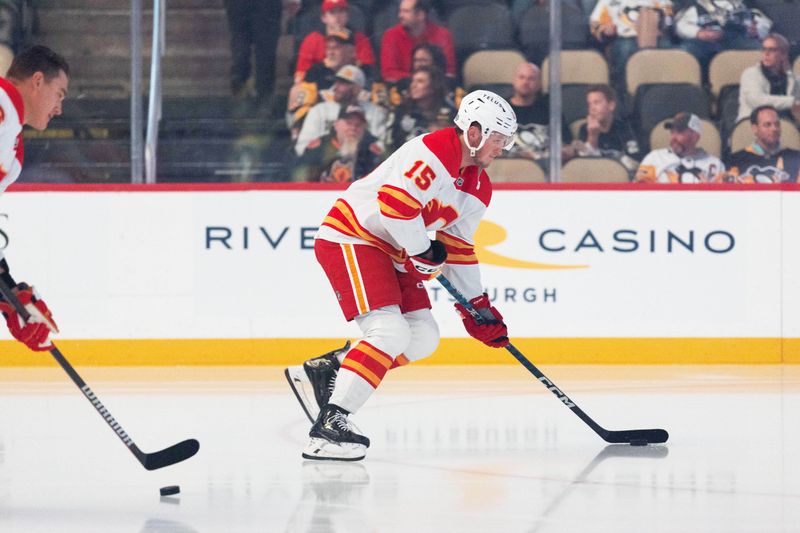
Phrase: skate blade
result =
(301, 388)
(324, 450)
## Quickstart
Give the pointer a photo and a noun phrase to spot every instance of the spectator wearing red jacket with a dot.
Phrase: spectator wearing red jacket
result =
(334, 18)
(414, 27)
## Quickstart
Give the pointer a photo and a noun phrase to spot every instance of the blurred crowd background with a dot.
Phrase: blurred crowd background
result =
(681, 91)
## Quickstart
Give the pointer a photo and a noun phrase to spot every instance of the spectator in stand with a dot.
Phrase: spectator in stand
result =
(764, 161)
(11, 31)
(533, 116)
(771, 82)
(683, 161)
(707, 27)
(346, 154)
(623, 27)
(313, 49)
(426, 55)
(346, 91)
(425, 108)
(603, 134)
(414, 28)
(319, 78)
(254, 26)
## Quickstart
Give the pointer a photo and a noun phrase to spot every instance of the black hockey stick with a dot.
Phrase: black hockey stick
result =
(151, 461)
(630, 436)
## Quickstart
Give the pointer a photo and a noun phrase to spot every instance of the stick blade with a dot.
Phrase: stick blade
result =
(651, 436)
(169, 456)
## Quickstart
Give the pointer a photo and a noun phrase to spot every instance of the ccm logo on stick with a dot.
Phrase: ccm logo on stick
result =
(561, 396)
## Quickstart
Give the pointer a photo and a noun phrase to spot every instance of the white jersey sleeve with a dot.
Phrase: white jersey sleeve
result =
(10, 141)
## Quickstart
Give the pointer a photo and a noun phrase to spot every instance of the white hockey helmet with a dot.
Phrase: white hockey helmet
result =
(492, 112)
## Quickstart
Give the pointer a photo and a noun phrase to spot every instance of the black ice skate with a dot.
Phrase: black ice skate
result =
(333, 438)
(312, 383)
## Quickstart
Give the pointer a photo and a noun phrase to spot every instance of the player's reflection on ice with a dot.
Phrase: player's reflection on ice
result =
(610, 451)
(332, 499)
(158, 525)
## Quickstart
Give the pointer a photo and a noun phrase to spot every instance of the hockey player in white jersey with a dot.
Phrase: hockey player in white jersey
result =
(31, 93)
(374, 246)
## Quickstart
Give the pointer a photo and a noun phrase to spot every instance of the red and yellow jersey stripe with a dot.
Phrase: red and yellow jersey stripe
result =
(342, 218)
(395, 202)
(459, 251)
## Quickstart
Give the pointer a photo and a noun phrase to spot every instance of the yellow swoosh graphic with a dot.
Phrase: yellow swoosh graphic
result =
(488, 234)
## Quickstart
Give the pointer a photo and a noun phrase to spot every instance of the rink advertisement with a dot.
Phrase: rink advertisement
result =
(181, 276)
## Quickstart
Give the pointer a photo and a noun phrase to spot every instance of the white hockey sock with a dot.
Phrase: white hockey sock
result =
(351, 391)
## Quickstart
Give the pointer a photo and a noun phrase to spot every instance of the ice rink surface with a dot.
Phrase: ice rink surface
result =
(462, 449)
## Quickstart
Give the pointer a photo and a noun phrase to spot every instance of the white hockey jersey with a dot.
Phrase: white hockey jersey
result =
(418, 189)
(12, 113)
(665, 166)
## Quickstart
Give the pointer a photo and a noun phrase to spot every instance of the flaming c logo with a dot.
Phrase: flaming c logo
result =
(490, 234)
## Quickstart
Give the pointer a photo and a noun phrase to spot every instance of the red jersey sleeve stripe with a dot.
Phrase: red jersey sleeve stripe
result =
(397, 203)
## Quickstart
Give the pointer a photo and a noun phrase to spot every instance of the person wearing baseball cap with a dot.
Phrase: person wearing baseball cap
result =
(683, 161)
(334, 17)
(347, 89)
(346, 153)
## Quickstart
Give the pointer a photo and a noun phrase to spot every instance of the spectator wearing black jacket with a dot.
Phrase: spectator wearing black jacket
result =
(605, 135)
(764, 161)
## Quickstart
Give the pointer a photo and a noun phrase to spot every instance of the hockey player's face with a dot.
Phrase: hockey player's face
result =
(45, 99)
(768, 129)
(492, 149)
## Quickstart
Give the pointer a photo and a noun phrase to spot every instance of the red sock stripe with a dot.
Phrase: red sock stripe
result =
(368, 362)
(400, 360)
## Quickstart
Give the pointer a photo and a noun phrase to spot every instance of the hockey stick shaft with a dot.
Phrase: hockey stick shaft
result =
(150, 461)
(625, 436)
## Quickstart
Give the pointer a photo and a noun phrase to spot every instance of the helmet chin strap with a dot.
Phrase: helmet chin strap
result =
(473, 150)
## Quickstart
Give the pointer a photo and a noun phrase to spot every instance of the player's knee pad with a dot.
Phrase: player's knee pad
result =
(424, 334)
(386, 329)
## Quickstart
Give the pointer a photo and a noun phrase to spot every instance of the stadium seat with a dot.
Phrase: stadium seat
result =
(742, 135)
(480, 27)
(654, 103)
(448, 6)
(573, 102)
(660, 66)
(710, 139)
(594, 170)
(727, 66)
(515, 170)
(575, 127)
(533, 30)
(578, 67)
(487, 67)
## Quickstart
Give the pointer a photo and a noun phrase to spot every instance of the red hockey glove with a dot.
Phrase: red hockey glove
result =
(492, 331)
(427, 265)
(35, 332)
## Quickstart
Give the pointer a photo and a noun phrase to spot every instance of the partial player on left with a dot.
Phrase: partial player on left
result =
(31, 93)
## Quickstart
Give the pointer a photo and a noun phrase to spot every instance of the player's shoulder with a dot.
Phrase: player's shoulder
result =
(11, 105)
(445, 147)
(475, 182)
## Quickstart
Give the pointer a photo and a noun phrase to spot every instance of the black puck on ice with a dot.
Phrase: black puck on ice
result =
(639, 442)
(169, 490)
